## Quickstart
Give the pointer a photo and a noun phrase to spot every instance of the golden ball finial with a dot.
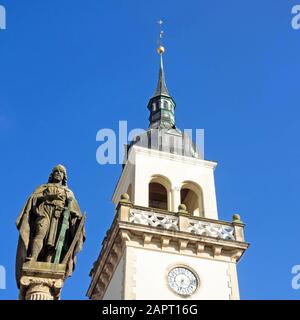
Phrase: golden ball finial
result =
(160, 49)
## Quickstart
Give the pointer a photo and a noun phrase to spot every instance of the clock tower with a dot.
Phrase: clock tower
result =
(166, 240)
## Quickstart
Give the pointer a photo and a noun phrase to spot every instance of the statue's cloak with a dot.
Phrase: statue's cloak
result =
(25, 225)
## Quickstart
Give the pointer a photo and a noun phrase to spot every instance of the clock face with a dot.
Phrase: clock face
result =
(182, 281)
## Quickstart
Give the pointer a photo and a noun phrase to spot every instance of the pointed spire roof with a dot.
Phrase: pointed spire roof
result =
(161, 88)
(161, 105)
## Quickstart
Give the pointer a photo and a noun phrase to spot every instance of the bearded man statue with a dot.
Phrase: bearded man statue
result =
(51, 226)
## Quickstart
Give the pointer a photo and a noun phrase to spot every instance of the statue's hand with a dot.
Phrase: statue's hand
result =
(57, 214)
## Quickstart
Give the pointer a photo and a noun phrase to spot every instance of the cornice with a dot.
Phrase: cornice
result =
(126, 234)
(173, 157)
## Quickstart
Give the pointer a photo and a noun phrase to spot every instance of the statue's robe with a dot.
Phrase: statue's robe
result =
(33, 210)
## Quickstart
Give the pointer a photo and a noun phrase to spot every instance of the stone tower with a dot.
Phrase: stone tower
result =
(166, 240)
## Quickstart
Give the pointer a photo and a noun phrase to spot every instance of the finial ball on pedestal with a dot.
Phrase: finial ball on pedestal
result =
(236, 218)
(125, 197)
(160, 49)
(182, 207)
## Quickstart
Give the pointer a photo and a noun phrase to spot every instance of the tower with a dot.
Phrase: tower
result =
(166, 240)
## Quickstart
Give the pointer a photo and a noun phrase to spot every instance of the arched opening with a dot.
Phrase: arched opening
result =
(159, 192)
(158, 196)
(191, 196)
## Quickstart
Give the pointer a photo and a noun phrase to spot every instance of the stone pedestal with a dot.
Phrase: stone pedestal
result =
(41, 281)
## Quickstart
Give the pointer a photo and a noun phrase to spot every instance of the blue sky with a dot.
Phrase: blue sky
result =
(70, 68)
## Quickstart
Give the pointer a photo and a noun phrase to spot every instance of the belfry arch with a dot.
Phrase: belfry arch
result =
(159, 192)
(191, 195)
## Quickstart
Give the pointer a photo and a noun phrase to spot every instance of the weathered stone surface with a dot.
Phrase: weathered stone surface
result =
(41, 281)
(51, 229)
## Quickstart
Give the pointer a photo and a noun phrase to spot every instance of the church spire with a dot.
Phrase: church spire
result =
(161, 88)
(161, 105)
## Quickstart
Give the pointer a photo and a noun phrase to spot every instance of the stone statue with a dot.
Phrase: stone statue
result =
(51, 226)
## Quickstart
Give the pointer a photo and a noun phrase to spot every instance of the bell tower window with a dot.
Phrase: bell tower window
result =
(158, 196)
(191, 196)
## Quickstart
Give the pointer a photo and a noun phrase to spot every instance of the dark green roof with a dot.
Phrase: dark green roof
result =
(161, 88)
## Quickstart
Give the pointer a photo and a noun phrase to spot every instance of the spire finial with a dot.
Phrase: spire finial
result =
(161, 85)
(161, 105)
(160, 48)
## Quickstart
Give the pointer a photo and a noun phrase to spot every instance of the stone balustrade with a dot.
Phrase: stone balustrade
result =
(182, 221)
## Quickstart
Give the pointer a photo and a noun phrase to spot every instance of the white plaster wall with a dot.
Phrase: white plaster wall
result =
(175, 168)
(217, 279)
(115, 288)
(177, 172)
(126, 178)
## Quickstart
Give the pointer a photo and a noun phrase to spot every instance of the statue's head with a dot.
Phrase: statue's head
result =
(58, 174)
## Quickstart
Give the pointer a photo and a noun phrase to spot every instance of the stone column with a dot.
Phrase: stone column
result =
(123, 208)
(238, 228)
(176, 198)
(41, 281)
(183, 216)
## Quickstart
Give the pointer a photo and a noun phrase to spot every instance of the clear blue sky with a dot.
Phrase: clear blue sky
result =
(70, 68)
